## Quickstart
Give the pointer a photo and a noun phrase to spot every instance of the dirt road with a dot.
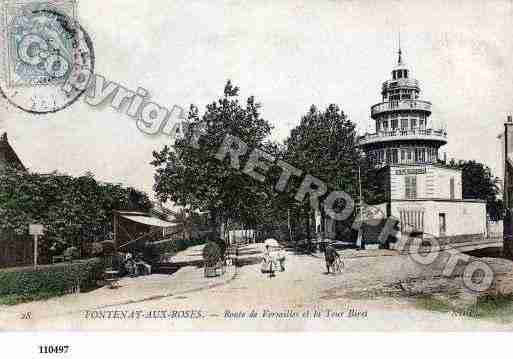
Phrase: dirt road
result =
(303, 297)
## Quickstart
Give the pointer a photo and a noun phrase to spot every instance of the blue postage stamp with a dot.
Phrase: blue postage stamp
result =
(46, 54)
(39, 46)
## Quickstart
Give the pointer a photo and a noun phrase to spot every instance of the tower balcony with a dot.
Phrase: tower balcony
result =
(435, 135)
(401, 105)
(393, 84)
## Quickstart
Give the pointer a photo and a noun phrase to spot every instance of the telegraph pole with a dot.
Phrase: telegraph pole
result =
(359, 240)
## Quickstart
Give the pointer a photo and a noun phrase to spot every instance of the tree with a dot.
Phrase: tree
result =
(72, 209)
(324, 145)
(188, 173)
(479, 183)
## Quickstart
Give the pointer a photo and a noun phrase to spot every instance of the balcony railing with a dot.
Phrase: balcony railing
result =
(388, 135)
(390, 84)
(401, 105)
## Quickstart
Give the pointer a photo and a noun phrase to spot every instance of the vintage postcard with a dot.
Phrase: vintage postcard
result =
(263, 166)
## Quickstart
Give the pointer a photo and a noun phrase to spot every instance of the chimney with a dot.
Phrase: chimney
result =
(3, 138)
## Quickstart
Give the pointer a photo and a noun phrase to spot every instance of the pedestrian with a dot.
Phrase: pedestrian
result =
(330, 255)
(141, 266)
(281, 259)
(268, 263)
(130, 266)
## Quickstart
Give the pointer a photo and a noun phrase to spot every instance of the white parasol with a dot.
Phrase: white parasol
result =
(271, 242)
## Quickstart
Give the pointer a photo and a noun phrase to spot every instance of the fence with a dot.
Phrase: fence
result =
(16, 250)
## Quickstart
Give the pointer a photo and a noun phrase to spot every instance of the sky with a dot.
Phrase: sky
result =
(289, 55)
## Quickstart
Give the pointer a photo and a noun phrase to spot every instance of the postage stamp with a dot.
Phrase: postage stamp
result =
(45, 47)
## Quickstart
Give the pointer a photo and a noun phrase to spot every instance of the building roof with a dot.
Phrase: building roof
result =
(8, 156)
(439, 165)
(149, 221)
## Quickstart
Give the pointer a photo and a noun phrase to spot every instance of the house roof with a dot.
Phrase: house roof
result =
(149, 221)
(8, 156)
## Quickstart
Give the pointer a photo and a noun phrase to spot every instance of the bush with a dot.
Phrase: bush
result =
(56, 279)
(92, 249)
(72, 252)
(156, 251)
(96, 249)
(108, 248)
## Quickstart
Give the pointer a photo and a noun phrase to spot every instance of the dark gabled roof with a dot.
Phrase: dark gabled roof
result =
(7, 155)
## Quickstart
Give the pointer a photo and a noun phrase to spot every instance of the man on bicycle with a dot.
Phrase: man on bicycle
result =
(330, 255)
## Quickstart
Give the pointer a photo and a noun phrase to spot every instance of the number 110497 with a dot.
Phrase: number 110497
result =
(53, 349)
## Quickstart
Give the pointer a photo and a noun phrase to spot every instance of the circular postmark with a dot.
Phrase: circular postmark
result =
(49, 61)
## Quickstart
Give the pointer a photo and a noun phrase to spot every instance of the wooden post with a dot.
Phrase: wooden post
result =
(115, 225)
(36, 237)
(36, 230)
(359, 239)
(507, 200)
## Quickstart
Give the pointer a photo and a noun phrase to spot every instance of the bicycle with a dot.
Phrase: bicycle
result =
(337, 266)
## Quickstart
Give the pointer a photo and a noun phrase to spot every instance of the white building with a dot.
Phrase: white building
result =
(423, 193)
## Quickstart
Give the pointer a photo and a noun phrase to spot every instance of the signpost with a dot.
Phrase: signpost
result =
(411, 171)
(36, 230)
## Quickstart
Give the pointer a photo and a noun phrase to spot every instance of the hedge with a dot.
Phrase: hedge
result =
(57, 278)
(155, 250)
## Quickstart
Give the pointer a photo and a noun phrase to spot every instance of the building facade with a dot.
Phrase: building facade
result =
(420, 190)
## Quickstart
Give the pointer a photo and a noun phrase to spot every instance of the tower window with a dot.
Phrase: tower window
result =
(395, 158)
(410, 187)
(420, 155)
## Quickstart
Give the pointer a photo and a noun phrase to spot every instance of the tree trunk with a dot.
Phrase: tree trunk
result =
(323, 220)
(289, 225)
(308, 224)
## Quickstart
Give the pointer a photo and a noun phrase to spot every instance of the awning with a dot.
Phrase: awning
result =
(150, 221)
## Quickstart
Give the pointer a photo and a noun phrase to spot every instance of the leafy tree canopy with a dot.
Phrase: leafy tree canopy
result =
(191, 176)
(72, 209)
(479, 183)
